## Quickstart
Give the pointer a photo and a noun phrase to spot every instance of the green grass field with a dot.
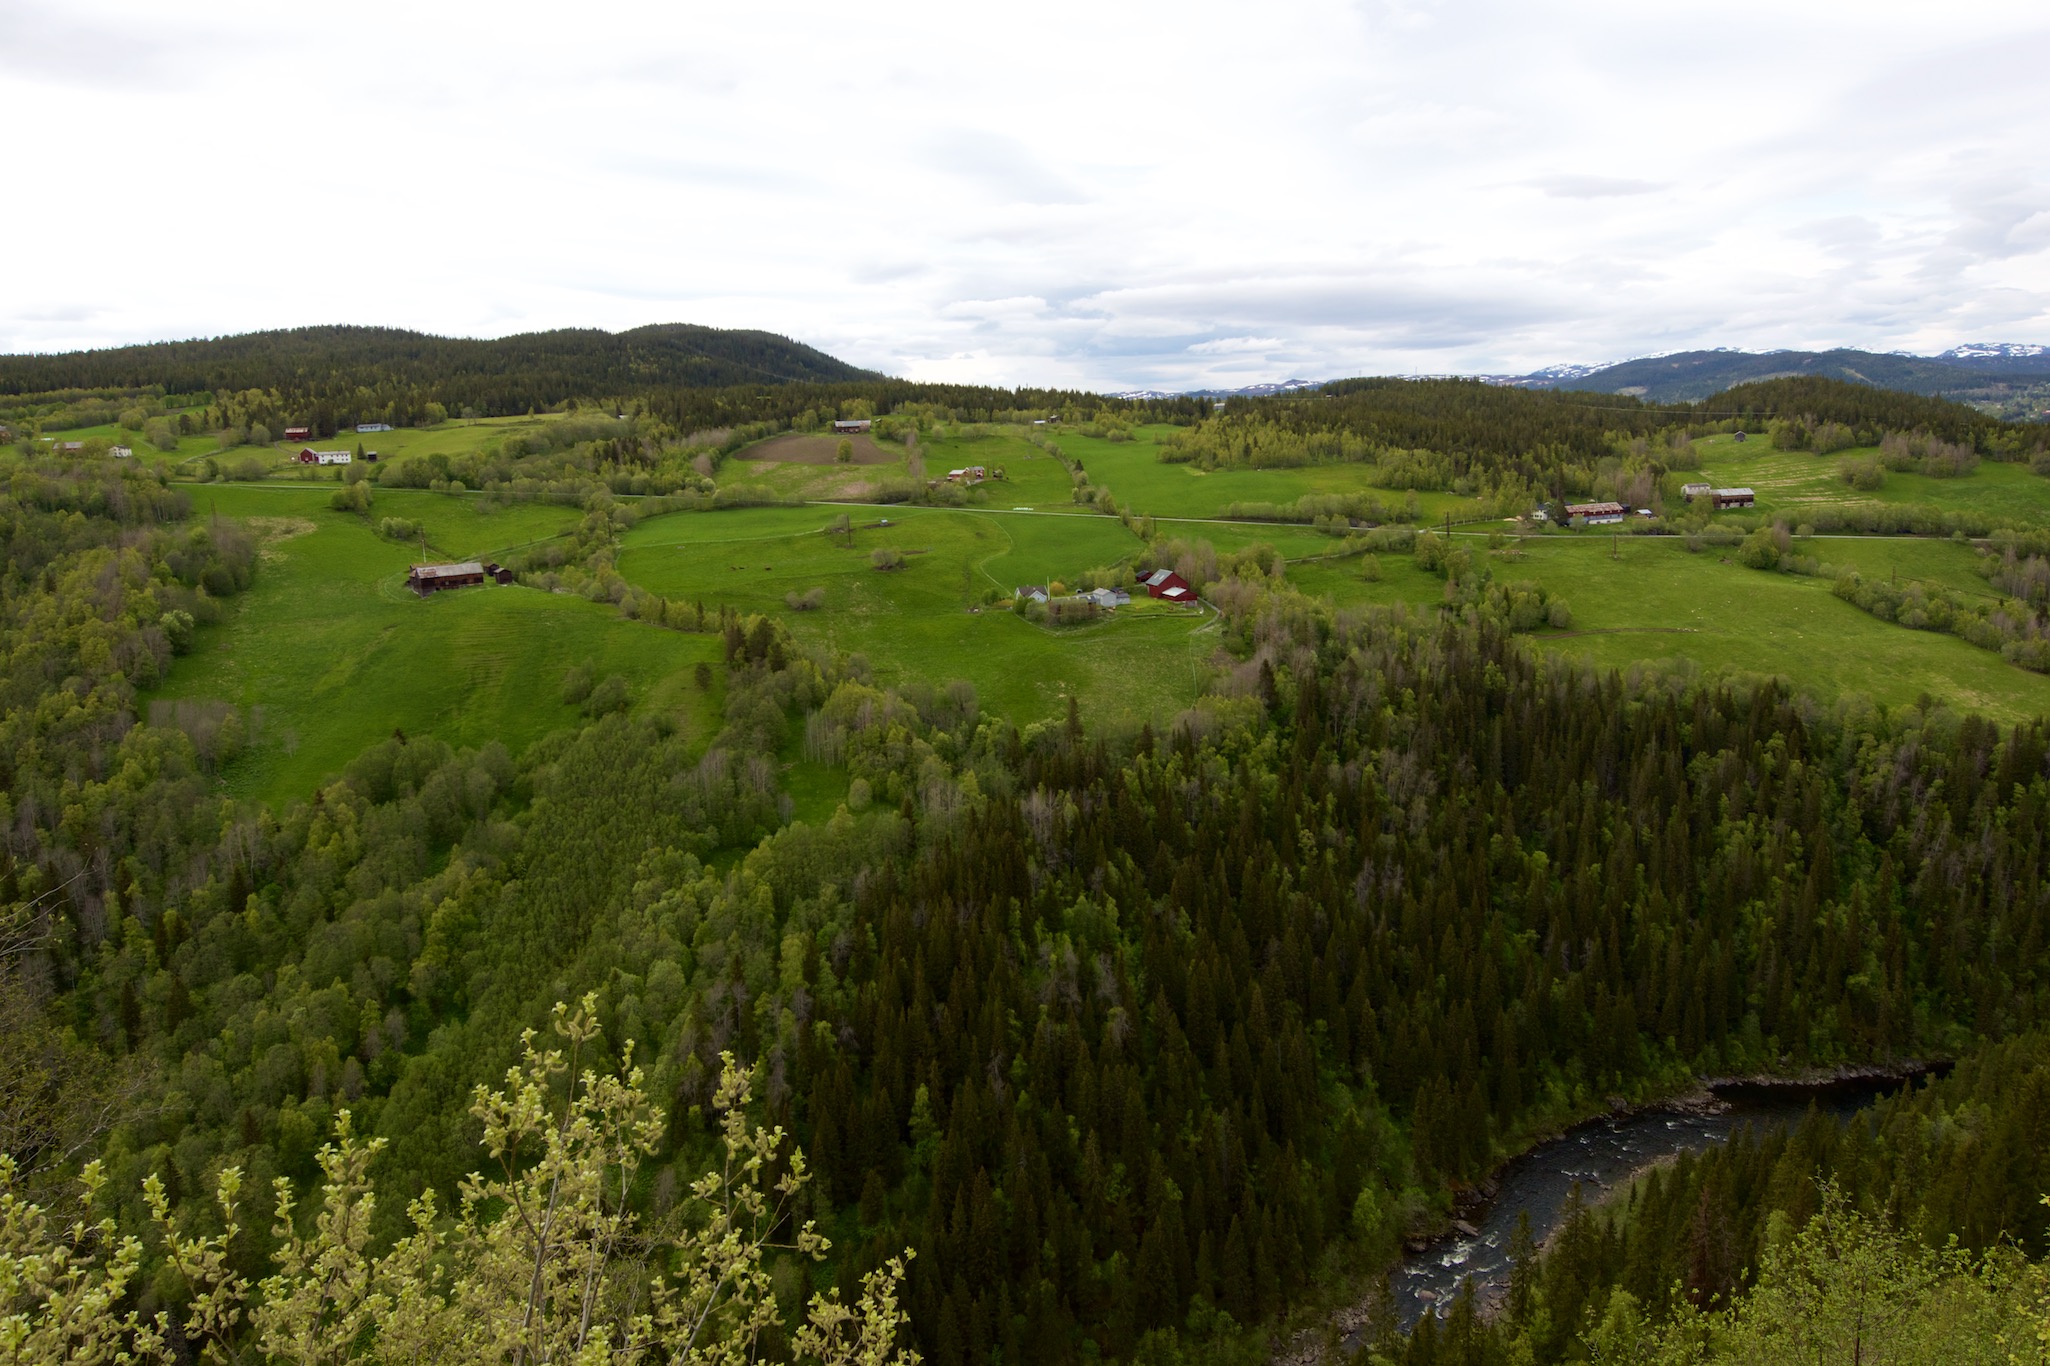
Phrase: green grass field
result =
(917, 622)
(336, 653)
(1030, 477)
(1660, 602)
(454, 437)
(1133, 472)
(190, 448)
(1657, 603)
(1789, 481)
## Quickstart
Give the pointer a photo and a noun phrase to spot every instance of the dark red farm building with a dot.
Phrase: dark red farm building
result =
(1169, 586)
(432, 578)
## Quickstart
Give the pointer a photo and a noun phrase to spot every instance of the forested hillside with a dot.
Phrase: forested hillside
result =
(331, 376)
(1135, 1038)
(2017, 384)
(692, 379)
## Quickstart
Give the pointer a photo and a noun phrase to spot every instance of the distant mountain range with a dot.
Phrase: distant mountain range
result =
(1286, 386)
(2007, 379)
(1994, 376)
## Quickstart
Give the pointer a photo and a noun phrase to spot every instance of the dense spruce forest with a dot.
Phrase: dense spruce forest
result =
(382, 371)
(1474, 429)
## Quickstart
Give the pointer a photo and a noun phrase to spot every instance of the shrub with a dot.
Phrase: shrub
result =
(808, 601)
(1430, 552)
(608, 697)
(1930, 455)
(1832, 437)
(885, 558)
(351, 498)
(1764, 548)
(1864, 473)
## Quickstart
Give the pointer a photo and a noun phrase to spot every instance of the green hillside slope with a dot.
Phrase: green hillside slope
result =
(530, 369)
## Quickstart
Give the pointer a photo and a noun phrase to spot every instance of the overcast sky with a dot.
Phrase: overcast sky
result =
(1107, 195)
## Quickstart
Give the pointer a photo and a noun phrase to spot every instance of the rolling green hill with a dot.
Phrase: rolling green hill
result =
(497, 375)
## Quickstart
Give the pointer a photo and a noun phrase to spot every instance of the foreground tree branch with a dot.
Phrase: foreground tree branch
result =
(533, 1267)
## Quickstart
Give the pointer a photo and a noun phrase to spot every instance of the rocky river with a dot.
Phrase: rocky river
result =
(1598, 1157)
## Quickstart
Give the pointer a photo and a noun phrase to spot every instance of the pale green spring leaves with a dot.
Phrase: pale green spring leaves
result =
(546, 1260)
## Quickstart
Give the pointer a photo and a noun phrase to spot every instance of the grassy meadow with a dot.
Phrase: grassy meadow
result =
(1647, 599)
(448, 438)
(1789, 481)
(1133, 472)
(328, 651)
(931, 619)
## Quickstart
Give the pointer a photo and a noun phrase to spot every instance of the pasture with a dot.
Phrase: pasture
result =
(1658, 602)
(1787, 482)
(1133, 472)
(190, 448)
(328, 652)
(931, 620)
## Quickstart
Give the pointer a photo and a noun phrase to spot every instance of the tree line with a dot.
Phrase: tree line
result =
(1496, 440)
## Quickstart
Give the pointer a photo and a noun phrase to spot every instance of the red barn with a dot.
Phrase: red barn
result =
(308, 456)
(298, 433)
(1169, 586)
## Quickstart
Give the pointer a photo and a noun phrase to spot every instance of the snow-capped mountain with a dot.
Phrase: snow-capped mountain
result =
(1996, 350)
(1970, 372)
(1558, 372)
(1286, 386)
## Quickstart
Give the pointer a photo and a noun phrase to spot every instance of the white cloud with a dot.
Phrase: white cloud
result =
(1235, 346)
(1565, 186)
(1329, 187)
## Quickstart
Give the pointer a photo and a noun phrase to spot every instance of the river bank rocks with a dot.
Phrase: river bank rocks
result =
(1602, 1155)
